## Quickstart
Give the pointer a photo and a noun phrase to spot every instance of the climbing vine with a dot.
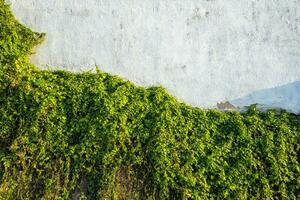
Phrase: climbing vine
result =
(89, 135)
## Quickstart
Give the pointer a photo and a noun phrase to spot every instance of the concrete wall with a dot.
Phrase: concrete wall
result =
(202, 51)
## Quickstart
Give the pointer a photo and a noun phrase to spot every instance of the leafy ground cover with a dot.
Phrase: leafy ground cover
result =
(89, 135)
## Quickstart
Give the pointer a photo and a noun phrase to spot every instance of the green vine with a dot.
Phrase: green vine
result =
(95, 136)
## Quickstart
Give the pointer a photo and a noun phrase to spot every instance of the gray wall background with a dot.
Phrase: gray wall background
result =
(202, 51)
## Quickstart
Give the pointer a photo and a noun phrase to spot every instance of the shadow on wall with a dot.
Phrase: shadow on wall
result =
(286, 97)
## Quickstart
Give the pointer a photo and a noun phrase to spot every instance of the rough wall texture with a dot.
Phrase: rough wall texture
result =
(203, 51)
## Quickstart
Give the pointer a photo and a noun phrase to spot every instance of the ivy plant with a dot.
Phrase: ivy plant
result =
(90, 135)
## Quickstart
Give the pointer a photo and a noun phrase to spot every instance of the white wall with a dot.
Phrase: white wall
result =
(203, 51)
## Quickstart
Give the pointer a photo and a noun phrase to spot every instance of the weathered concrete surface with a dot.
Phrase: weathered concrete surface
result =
(203, 51)
(286, 96)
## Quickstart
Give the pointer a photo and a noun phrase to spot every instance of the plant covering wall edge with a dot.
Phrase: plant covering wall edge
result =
(89, 135)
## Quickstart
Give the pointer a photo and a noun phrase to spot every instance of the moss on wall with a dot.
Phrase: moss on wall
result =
(95, 136)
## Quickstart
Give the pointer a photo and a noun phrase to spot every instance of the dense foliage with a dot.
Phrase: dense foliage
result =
(95, 136)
